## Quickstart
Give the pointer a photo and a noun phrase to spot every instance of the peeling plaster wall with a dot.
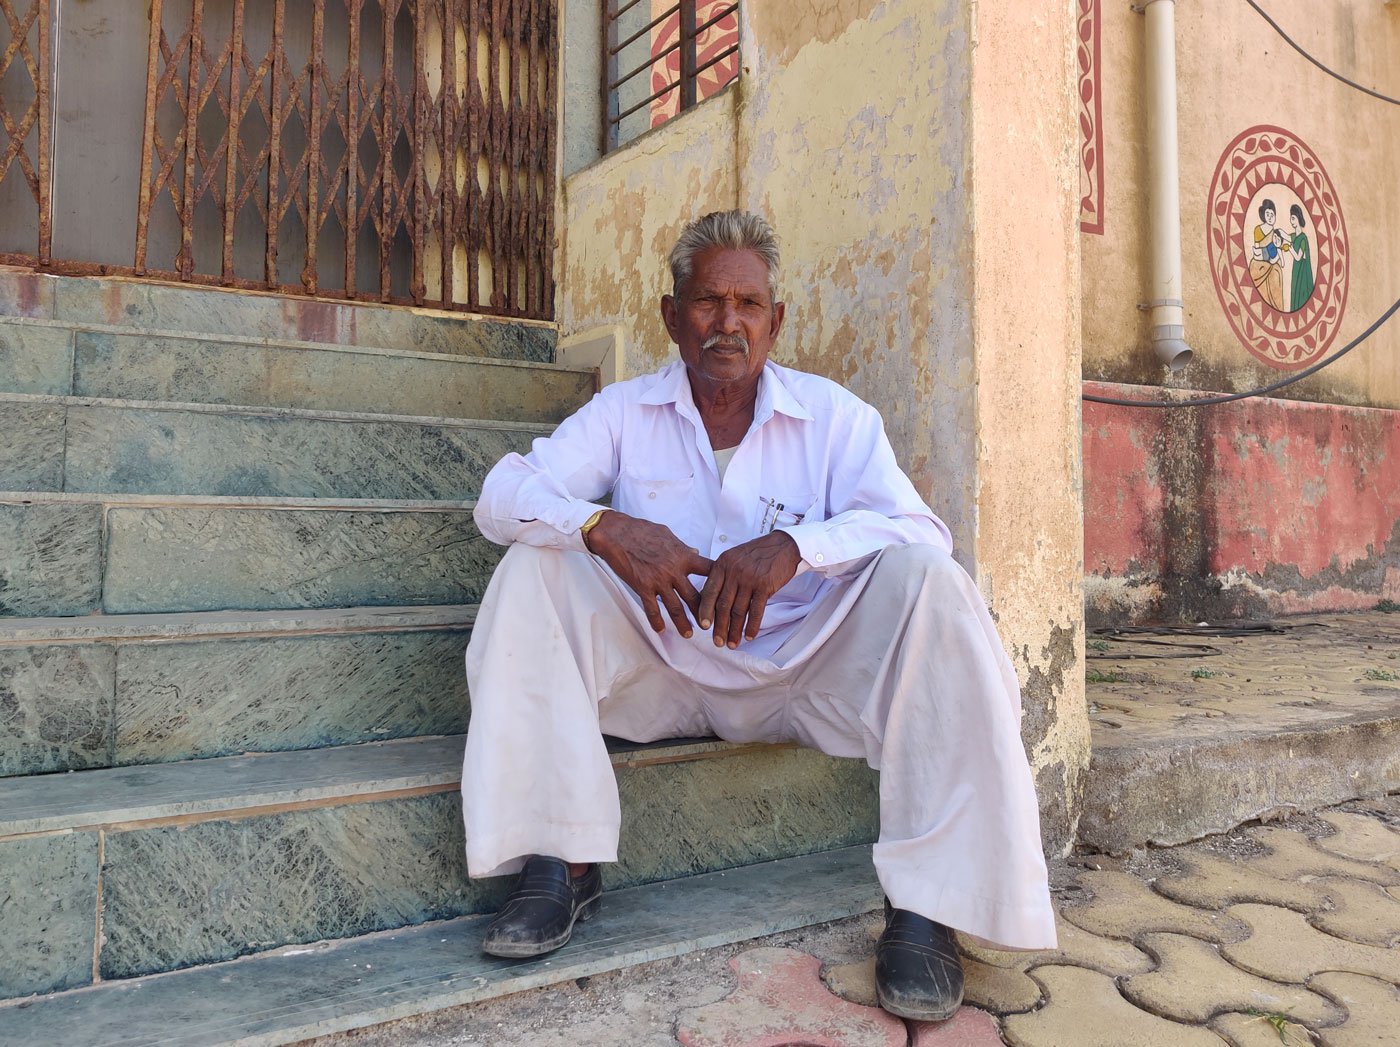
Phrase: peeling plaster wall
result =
(854, 128)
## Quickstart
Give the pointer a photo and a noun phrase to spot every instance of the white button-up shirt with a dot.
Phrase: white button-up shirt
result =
(815, 463)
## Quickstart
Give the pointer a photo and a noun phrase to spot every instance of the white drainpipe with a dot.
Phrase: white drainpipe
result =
(1164, 189)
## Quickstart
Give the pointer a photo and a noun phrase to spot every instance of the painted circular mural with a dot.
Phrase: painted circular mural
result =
(1277, 246)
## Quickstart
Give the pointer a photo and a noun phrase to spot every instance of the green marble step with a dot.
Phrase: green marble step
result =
(81, 445)
(74, 554)
(140, 870)
(207, 310)
(114, 690)
(298, 993)
(60, 358)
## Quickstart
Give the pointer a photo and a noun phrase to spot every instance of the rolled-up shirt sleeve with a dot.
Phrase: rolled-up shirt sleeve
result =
(869, 503)
(544, 497)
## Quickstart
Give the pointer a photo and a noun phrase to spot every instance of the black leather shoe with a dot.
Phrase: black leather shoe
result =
(540, 913)
(918, 974)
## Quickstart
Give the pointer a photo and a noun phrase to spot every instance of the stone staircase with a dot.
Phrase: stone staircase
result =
(237, 574)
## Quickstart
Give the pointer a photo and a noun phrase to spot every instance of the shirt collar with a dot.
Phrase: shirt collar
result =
(673, 387)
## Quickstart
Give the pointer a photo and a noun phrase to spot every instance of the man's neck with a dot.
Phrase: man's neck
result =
(726, 409)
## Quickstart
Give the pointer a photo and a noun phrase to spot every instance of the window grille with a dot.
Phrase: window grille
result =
(662, 57)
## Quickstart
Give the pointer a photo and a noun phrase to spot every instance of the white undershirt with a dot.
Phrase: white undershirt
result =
(723, 458)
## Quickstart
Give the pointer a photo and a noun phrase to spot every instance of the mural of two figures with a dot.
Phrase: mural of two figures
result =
(1280, 255)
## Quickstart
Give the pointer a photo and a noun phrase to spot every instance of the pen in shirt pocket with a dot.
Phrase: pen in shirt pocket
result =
(776, 514)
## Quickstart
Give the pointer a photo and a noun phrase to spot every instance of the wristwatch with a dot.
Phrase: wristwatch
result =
(589, 524)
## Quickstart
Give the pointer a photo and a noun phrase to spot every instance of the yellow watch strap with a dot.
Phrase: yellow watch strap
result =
(591, 523)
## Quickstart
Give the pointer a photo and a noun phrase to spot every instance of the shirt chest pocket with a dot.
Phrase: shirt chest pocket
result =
(660, 498)
(779, 510)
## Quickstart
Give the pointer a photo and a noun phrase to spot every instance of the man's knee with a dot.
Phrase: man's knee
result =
(919, 564)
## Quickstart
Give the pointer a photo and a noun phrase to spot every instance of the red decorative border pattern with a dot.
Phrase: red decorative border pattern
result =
(1267, 155)
(1090, 118)
(716, 39)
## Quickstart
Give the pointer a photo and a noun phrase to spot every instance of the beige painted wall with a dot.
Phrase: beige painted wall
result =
(876, 137)
(1235, 72)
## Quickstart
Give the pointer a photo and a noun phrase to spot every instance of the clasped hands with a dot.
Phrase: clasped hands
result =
(657, 565)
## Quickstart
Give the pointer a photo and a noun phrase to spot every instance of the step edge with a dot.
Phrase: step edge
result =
(128, 500)
(128, 331)
(273, 412)
(123, 279)
(436, 766)
(194, 626)
(444, 985)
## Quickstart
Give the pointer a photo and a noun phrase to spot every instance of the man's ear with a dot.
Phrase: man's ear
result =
(668, 316)
(779, 310)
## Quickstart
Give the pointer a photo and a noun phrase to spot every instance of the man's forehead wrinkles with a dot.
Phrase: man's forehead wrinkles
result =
(722, 289)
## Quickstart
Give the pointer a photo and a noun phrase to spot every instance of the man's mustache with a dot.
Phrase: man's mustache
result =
(727, 341)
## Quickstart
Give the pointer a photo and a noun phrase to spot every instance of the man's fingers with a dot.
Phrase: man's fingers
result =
(757, 606)
(739, 610)
(653, 611)
(689, 595)
(708, 595)
(724, 603)
(677, 612)
(699, 564)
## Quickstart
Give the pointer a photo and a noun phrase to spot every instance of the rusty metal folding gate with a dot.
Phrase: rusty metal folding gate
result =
(385, 150)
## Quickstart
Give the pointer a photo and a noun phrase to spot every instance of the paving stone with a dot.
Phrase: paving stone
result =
(1365, 839)
(696, 816)
(169, 451)
(1193, 983)
(1282, 946)
(1360, 912)
(212, 370)
(1125, 907)
(1085, 1010)
(152, 306)
(176, 896)
(1293, 856)
(50, 559)
(253, 558)
(968, 1028)
(780, 1000)
(1077, 949)
(1215, 883)
(35, 359)
(55, 708)
(1373, 1010)
(48, 913)
(175, 701)
(32, 452)
(1254, 1030)
(998, 989)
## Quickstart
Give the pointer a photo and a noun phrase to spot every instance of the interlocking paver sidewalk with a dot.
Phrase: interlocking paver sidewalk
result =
(1284, 934)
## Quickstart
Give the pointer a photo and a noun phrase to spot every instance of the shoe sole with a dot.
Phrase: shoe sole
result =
(915, 1014)
(525, 950)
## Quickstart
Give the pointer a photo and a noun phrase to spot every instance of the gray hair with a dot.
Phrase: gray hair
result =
(736, 230)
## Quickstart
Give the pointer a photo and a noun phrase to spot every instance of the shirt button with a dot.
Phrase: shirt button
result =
(724, 538)
(651, 494)
(819, 558)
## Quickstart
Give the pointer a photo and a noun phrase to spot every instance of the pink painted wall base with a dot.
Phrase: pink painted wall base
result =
(1251, 509)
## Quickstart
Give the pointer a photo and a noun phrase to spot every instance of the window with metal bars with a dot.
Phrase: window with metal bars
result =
(662, 57)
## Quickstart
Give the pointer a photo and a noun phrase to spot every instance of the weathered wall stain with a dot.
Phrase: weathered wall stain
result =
(1250, 509)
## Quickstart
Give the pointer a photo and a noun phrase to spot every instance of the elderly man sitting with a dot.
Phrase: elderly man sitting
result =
(766, 573)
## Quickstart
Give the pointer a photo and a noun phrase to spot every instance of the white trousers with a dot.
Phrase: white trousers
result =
(900, 664)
